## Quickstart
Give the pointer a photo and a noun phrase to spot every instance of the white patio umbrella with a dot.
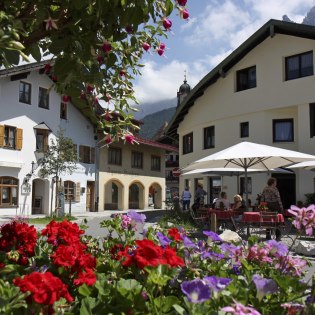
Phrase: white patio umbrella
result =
(248, 155)
(308, 165)
(232, 171)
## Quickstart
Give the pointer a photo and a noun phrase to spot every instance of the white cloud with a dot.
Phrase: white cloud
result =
(162, 82)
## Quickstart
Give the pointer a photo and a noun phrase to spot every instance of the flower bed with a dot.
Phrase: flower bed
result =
(63, 271)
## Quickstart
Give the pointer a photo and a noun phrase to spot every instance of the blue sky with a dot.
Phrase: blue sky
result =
(214, 30)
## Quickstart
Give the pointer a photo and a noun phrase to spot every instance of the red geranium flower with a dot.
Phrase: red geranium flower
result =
(88, 277)
(20, 237)
(171, 257)
(45, 288)
(174, 233)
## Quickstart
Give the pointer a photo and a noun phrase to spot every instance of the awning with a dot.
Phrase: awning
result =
(42, 126)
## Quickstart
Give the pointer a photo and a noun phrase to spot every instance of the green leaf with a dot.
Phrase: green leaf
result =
(35, 52)
(12, 56)
(87, 306)
(169, 7)
(165, 303)
(179, 309)
(84, 290)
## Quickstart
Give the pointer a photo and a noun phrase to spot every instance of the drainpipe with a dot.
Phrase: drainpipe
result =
(96, 194)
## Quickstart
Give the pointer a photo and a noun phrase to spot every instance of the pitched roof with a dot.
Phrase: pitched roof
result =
(156, 144)
(271, 28)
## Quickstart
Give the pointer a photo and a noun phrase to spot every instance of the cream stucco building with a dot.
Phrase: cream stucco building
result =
(263, 92)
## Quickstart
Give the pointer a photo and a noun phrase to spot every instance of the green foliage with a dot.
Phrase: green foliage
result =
(310, 199)
(12, 301)
(72, 34)
(59, 158)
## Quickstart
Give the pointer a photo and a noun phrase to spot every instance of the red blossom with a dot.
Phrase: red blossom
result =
(88, 277)
(54, 78)
(174, 233)
(130, 138)
(47, 68)
(146, 46)
(167, 23)
(122, 73)
(65, 232)
(108, 116)
(19, 237)
(108, 139)
(171, 257)
(100, 59)
(184, 14)
(45, 288)
(89, 89)
(182, 2)
(107, 47)
(65, 98)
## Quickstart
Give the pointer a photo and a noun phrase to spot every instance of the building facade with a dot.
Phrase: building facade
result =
(31, 114)
(263, 92)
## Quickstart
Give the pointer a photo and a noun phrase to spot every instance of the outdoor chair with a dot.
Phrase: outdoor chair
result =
(269, 223)
(200, 219)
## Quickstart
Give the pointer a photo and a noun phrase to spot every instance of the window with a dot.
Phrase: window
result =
(9, 137)
(155, 163)
(242, 185)
(312, 119)
(188, 143)
(41, 140)
(69, 190)
(283, 130)
(86, 154)
(246, 79)
(299, 66)
(114, 156)
(25, 93)
(8, 191)
(63, 110)
(136, 159)
(208, 137)
(244, 129)
(43, 98)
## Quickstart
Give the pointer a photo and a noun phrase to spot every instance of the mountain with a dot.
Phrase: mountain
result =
(153, 122)
(308, 20)
(150, 108)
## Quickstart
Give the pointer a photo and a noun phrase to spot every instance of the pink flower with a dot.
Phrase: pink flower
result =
(240, 309)
(100, 59)
(50, 24)
(108, 116)
(65, 98)
(167, 23)
(122, 73)
(184, 14)
(160, 51)
(108, 139)
(304, 218)
(162, 46)
(146, 46)
(129, 137)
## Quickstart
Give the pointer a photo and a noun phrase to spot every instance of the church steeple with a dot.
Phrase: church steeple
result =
(184, 90)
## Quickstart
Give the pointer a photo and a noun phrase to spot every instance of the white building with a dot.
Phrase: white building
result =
(31, 113)
(263, 92)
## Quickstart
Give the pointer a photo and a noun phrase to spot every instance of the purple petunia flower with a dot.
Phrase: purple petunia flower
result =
(264, 286)
(137, 217)
(217, 284)
(188, 243)
(164, 240)
(277, 248)
(236, 269)
(212, 255)
(214, 236)
(197, 291)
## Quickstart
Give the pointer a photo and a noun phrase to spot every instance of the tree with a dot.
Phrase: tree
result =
(95, 47)
(60, 158)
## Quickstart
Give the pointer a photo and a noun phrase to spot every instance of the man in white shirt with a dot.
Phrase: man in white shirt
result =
(222, 202)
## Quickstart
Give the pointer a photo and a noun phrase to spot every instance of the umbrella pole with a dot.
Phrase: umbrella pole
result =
(245, 188)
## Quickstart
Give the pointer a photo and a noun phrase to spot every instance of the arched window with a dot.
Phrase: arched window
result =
(69, 187)
(8, 191)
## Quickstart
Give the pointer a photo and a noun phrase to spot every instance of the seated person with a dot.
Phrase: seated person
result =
(222, 202)
(238, 204)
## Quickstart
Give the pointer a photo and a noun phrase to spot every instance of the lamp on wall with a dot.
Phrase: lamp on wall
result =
(28, 176)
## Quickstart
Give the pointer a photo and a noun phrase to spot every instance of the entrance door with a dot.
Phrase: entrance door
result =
(90, 196)
(286, 187)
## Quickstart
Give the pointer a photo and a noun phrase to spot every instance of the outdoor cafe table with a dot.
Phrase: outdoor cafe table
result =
(252, 218)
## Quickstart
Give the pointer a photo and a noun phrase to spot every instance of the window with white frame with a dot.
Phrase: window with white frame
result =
(43, 98)
(8, 191)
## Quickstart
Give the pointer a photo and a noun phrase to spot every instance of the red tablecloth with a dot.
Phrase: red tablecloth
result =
(220, 214)
(254, 217)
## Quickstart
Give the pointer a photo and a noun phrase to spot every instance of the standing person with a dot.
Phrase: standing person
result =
(271, 195)
(186, 196)
(199, 195)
